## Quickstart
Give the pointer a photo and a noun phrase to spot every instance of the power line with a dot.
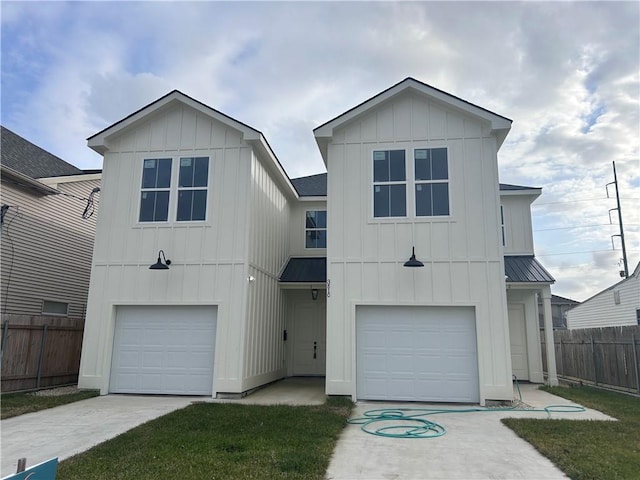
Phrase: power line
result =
(580, 200)
(578, 253)
(585, 226)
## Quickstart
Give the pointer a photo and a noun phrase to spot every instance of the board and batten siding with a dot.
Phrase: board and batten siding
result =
(462, 253)
(209, 259)
(517, 221)
(47, 248)
(264, 358)
(602, 309)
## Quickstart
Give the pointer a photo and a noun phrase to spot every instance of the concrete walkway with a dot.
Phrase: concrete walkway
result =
(476, 446)
(70, 429)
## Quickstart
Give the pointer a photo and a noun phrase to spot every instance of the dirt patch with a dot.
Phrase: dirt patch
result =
(57, 391)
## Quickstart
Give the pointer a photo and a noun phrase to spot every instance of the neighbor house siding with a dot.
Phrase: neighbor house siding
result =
(46, 248)
(462, 252)
(602, 310)
(268, 249)
(209, 259)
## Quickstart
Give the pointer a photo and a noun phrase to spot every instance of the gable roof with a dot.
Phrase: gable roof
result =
(499, 125)
(100, 141)
(22, 156)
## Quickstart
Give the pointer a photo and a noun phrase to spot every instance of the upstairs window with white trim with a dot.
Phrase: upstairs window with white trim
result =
(316, 229)
(389, 183)
(174, 194)
(156, 185)
(192, 189)
(431, 182)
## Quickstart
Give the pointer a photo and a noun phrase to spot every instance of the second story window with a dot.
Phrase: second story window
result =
(174, 194)
(389, 183)
(432, 182)
(316, 229)
(156, 184)
(192, 188)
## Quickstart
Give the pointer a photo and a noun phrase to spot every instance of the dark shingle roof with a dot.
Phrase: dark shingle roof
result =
(305, 270)
(31, 160)
(311, 186)
(316, 186)
(525, 268)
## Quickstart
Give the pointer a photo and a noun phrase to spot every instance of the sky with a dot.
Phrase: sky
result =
(566, 73)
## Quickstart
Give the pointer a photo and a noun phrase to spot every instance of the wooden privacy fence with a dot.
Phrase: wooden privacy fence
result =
(39, 351)
(603, 356)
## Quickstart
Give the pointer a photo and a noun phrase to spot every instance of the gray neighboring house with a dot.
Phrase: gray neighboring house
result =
(46, 244)
(559, 307)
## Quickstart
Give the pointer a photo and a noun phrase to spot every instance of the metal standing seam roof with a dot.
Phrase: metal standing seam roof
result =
(30, 160)
(305, 270)
(522, 268)
(525, 268)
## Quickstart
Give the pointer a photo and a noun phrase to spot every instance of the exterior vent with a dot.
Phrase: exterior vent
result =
(616, 297)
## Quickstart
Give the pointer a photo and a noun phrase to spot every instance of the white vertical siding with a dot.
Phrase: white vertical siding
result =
(46, 248)
(269, 231)
(209, 259)
(462, 253)
(517, 222)
(602, 309)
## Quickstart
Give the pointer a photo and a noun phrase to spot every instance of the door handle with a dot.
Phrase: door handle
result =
(315, 349)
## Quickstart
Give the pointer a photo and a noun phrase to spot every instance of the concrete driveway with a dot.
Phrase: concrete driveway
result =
(70, 429)
(476, 446)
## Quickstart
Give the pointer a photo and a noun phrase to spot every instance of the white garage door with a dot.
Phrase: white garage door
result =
(416, 354)
(163, 350)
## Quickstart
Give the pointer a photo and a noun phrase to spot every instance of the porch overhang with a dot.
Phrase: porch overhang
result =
(524, 271)
(304, 272)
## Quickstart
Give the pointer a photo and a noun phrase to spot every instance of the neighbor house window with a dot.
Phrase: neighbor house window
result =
(431, 182)
(156, 184)
(192, 188)
(54, 308)
(389, 183)
(316, 229)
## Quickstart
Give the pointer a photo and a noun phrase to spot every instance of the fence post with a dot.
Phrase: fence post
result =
(635, 360)
(595, 359)
(5, 332)
(41, 359)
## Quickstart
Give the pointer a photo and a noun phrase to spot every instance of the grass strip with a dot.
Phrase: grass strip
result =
(14, 404)
(589, 449)
(220, 441)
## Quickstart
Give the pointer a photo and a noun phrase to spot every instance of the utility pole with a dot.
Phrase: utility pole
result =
(624, 273)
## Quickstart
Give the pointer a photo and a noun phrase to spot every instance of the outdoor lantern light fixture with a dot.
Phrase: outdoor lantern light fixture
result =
(159, 265)
(314, 293)
(413, 261)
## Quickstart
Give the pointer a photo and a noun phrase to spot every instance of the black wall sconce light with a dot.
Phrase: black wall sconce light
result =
(413, 261)
(159, 265)
(314, 293)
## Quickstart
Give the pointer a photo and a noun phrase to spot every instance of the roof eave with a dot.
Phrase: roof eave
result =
(24, 180)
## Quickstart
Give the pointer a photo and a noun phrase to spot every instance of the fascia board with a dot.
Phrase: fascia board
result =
(318, 198)
(272, 163)
(71, 178)
(27, 181)
(533, 193)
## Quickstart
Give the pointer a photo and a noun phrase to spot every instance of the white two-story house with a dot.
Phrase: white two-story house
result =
(257, 277)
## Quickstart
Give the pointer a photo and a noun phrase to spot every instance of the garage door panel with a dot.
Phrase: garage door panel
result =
(416, 354)
(164, 350)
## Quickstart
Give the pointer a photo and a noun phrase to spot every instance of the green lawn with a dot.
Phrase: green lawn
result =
(589, 449)
(14, 404)
(215, 441)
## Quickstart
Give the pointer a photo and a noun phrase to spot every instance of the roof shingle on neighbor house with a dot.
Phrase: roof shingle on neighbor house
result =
(28, 159)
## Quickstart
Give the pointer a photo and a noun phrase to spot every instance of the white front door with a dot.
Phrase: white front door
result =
(309, 337)
(518, 338)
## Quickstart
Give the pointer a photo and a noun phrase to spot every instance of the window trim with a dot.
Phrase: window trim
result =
(410, 183)
(315, 249)
(389, 183)
(174, 189)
